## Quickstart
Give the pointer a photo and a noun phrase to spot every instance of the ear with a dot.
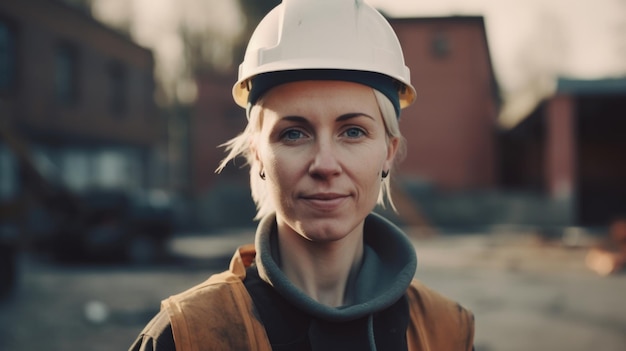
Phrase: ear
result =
(392, 150)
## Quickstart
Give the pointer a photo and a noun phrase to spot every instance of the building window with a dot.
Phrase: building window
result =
(117, 168)
(8, 53)
(440, 45)
(66, 74)
(118, 88)
(75, 169)
(110, 167)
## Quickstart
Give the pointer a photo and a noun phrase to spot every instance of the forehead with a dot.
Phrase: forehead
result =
(323, 97)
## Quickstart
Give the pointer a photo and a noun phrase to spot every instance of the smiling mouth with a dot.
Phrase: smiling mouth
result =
(323, 196)
(325, 201)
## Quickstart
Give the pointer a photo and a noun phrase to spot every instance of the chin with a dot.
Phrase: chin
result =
(321, 226)
(326, 230)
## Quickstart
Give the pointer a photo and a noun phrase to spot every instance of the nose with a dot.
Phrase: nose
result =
(325, 162)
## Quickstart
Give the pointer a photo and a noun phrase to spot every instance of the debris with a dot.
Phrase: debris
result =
(610, 257)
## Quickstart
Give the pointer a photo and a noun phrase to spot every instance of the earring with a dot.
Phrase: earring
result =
(262, 174)
(385, 173)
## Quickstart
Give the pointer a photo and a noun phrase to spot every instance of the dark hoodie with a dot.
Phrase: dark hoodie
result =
(377, 316)
(257, 308)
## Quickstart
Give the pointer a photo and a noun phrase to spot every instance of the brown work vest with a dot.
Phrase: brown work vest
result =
(218, 314)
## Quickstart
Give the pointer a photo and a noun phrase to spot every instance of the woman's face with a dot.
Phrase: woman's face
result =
(322, 146)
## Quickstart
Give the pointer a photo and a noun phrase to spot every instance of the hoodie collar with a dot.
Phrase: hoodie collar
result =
(388, 266)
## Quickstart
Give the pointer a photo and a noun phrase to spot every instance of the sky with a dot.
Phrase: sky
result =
(531, 41)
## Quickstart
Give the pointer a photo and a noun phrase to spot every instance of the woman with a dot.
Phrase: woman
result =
(323, 83)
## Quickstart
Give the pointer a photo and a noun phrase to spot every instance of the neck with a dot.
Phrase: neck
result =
(322, 270)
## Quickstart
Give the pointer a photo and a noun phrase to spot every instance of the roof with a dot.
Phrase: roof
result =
(591, 87)
(457, 18)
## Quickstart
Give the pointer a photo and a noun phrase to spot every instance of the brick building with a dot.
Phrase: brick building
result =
(572, 148)
(78, 95)
(451, 128)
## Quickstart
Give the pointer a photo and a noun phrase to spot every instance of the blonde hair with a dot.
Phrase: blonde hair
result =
(241, 145)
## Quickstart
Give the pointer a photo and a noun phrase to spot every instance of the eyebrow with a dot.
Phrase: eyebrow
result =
(341, 118)
(348, 116)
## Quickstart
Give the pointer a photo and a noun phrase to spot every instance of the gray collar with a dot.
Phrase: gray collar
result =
(389, 264)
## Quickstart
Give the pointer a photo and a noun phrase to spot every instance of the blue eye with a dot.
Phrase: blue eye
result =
(354, 132)
(292, 134)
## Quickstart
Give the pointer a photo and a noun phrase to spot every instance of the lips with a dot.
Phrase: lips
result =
(324, 201)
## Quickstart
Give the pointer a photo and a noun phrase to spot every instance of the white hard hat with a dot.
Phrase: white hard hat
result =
(346, 35)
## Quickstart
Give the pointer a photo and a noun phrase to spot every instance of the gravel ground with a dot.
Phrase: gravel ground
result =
(526, 295)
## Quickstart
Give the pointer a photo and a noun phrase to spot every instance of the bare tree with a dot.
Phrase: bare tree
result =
(253, 11)
(541, 58)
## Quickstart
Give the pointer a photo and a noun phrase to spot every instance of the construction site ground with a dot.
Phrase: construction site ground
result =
(526, 293)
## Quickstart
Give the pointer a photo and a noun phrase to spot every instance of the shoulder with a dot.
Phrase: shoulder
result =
(424, 297)
(209, 303)
(156, 336)
(216, 284)
(439, 319)
(433, 305)
(220, 287)
(218, 312)
(222, 294)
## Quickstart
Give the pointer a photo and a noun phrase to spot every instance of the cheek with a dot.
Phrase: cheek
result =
(376, 156)
(273, 161)
(368, 167)
(281, 168)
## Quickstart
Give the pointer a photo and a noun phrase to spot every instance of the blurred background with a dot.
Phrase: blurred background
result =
(513, 188)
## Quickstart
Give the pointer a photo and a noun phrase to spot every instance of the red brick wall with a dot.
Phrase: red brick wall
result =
(560, 153)
(450, 130)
